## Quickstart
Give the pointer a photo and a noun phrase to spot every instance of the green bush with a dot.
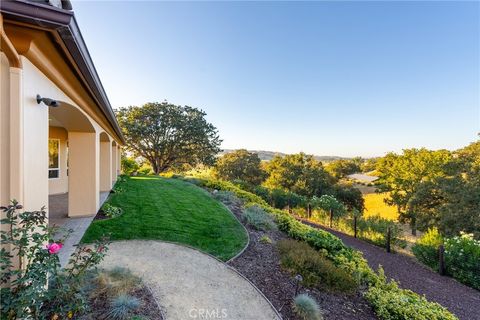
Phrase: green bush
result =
(145, 169)
(129, 165)
(307, 308)
(122, 307)
(265, 239)
(281, 199)
(462, 259)
(426, 248)
(315, 269)
(462, 255)
(258, 218)
(114, 282)
(111, 211)
(391, 303)
(374, 229)
(227, 197)
(228, 186)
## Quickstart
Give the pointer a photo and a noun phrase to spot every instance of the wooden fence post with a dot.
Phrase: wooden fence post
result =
(331, 218)
(389, 236)
(354, 226)
(309, 211)
(441, 260)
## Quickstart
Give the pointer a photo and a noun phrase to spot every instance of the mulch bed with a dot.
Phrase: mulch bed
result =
(148, 308)
(260, 263)
(100, 215)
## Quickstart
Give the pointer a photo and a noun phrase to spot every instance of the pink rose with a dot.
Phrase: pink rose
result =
(54, 247)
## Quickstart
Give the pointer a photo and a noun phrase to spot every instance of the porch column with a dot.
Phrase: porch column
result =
(119, 160)
(114, 162)
(16, 135)
(105, 166)
(84, 170)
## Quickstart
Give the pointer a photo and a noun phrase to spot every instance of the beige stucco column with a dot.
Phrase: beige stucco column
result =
(119, 160)
(16, 135)
(105, 164)
(114, 162)
(83, 180)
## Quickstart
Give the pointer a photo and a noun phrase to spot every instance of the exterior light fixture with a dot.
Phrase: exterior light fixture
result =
(47, 101)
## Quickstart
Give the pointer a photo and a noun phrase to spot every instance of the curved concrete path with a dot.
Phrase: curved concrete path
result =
(189, 284)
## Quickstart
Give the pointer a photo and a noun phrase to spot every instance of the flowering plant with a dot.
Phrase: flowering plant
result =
(462, 258)
(34, 286)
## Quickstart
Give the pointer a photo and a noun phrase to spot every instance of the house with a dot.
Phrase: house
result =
(59, 137)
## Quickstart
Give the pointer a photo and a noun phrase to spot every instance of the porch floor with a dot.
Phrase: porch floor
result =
(58, 215)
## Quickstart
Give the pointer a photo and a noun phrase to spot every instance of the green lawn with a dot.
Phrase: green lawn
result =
(171, 210)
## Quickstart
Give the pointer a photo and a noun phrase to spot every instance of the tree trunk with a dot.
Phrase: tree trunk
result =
(413, 225)
(155, 167)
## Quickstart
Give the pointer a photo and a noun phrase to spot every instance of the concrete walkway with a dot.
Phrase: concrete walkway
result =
(58, 215)
(189, 284)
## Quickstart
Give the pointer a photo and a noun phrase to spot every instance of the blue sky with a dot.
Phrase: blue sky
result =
(327, 78)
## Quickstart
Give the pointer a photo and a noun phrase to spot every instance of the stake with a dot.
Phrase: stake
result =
(389, 235)
(309, 211)
(355, 226)
(298, 278)
(441, 260)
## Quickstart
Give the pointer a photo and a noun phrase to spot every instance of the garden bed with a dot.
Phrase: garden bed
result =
(104, 289)
(260, 263)
(100, 215)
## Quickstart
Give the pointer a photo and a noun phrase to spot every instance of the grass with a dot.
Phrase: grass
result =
(374, 205)
(158, 208)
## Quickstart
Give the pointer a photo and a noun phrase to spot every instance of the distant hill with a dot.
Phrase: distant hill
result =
(268, 155)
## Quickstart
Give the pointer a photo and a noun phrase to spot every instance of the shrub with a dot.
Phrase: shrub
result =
(228, 186)
(315, 269)
(258, 218)
(27, 265)
(426, 248)
(129, 165)
(280, 199)
(462, 259)
(227, 197)
(115, 282)
(122, 307)
(265, 239)
(375, 228)
(111, 211)
(391, 302)
(145, 169)
(307, 308)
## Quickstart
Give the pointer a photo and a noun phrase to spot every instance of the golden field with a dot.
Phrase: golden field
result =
(374, 205)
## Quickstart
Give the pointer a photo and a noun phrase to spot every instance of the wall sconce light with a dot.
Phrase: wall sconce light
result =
(47, 101)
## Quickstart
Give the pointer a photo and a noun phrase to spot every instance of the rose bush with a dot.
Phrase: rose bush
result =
(34, 286)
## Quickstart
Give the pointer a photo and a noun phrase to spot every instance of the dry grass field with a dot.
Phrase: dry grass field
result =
(374, 205)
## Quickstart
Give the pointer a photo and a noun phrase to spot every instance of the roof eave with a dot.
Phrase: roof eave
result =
(64, 23)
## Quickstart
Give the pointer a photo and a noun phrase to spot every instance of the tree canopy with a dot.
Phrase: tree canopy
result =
(403, 174)
(342, 167)
(169, 135)
(240, 165)
(298, 173)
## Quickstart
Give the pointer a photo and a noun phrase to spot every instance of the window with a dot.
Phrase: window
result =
(53, 158)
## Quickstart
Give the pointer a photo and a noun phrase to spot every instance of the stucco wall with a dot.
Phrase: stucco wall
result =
(35, 137)
(60, 184)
